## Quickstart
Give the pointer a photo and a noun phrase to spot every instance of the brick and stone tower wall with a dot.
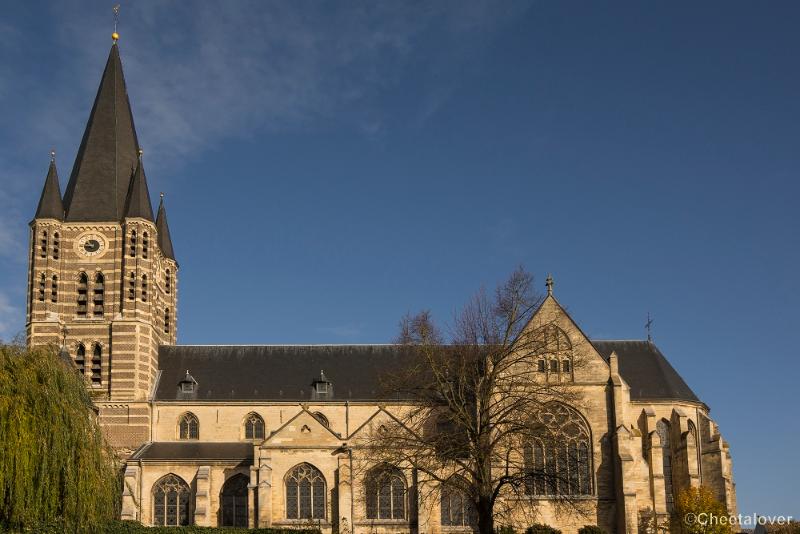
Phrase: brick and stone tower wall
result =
(102, 279)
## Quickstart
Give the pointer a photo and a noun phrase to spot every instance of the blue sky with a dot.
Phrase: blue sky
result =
(345, 163)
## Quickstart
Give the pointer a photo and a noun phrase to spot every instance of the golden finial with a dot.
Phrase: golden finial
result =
(115, 35)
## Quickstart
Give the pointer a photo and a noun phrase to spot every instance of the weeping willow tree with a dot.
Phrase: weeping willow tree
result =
(55, 467)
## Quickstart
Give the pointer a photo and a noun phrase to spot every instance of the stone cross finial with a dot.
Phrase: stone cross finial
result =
(549, 284)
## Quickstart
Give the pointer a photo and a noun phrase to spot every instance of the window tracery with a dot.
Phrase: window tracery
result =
(305, 493)
(558, 460)
(189, 426)
(386, 493)
(254, 427)
(171, 501)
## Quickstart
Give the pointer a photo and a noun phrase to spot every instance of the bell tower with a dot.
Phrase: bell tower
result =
(102, 277)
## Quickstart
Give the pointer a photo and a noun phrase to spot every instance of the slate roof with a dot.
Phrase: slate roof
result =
(50, 205)
(276, 372)
(195, 450)
(286, 372)
(108, 153)
(138, 203)
(647, 372)
(164, 239)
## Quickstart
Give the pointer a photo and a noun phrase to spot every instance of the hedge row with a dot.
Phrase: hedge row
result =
(133, 527)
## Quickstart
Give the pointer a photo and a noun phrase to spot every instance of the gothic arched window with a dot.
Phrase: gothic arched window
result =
(663, 431)
(43, 245)
(132, 244)
(558, 460)
(54, 289)
(97, 360)
(83, 290)
(144, 288)
(305, 493)
(171, 502)
(132, 287)
(457, 509)
(386, 493)
(56, 246)
(80, 358)
(42, 282)
(254, 427)
(233, 499)
(189, 427)
(99, 294)
(145, 245)
(319, 416)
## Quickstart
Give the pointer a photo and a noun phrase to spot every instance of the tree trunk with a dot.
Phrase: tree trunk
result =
(485, 516)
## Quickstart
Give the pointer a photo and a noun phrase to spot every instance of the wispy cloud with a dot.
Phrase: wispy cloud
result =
(201, 72)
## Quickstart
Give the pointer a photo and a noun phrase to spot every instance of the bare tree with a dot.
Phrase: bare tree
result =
(481, 406)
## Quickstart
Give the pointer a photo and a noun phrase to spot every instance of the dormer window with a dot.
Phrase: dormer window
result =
(188, 384)
(321, 388)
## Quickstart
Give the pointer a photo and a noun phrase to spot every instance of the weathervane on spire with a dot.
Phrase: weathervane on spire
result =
(115, 35)
(649, 327)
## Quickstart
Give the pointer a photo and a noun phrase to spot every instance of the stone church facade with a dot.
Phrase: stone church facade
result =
(269, 435)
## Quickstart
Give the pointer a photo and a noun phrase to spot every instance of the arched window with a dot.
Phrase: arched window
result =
(254, 427)
(83, 289)
(80, 359)
(56, 246)
(97, 360)
(305, 493)
(144, 288)
(132, 244)
(386, 493)
(99, 294)
(457, 509)
(189, 427)
(166, 321)
(663, 431)
(171, 502)
(145, 245)
(42, 282)
(233, 500)
(54, 289)
(132, 287)
(43, 245)
(558, 460)
(319, 416)
(168, 282)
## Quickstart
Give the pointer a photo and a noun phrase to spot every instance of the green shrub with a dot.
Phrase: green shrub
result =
(591, 529)
(538, 528)
(132, 527)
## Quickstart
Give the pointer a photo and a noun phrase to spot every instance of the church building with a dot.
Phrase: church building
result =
(267, 435)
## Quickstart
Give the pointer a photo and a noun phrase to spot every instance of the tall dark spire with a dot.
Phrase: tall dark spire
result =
(164, 239)
(50, 205)
(138, 203)
(107, 157)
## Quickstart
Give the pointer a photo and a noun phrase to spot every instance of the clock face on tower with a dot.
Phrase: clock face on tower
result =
(90, 245)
